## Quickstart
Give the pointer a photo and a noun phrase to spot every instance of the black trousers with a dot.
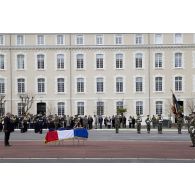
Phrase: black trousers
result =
(6, 138)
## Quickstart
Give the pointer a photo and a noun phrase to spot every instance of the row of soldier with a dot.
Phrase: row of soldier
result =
(40, 122)
(54, 121)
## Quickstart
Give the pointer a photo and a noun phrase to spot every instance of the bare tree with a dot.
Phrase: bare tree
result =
(168, 107)
(27, 101)
(190, 105)
(50, 108)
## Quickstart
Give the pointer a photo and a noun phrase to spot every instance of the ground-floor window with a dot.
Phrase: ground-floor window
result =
(61, 108)
(20, 109)
(159, 105)
(100, 108)
(80, 108)
(139, 107)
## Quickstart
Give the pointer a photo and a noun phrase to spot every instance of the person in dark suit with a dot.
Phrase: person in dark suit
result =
(7, 129)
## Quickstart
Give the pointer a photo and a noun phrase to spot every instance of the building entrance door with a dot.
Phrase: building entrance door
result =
(41, 108)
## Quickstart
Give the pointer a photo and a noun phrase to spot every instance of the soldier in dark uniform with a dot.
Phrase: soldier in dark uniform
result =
(179, 122)
(133, 122)
(159, 122)
(7, 129)
(100, 120)
(90, 122)
(148, 121)
(40, 124)
(138, 121)
(117, 123)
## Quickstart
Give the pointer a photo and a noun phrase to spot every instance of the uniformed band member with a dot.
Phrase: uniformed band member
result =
(179, 122)
(138, 121)
(159, 122)
(148, 121)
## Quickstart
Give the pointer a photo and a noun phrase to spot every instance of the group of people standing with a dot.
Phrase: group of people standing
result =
(40, 122)
(148, 121)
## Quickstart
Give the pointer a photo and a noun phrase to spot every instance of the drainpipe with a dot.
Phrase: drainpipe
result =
(10, 56)
(70, 75)
(149, 74)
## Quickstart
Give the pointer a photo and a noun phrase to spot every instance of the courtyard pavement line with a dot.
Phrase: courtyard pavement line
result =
(177, 159)
(133, 140)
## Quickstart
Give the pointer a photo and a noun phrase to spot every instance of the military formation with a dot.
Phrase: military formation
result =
(41, 121)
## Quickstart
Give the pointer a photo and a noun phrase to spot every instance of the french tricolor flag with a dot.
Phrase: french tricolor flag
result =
(56, 135)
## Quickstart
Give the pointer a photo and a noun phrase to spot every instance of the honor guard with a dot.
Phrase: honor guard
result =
(179, 122)
(159, 122)
(148, 121)
(138, 121)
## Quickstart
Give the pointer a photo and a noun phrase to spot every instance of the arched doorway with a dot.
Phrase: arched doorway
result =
(41, 108)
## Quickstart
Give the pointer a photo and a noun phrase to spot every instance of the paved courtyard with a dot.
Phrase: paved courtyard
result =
(102, 146)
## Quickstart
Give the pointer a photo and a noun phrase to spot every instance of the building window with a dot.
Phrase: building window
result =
(118, 39)
(61, 109)
(2, 86)
(158, 60)
(178, 83)
(60, 82)
(99, 61)
(100, 108)
(41, 85)
(60, 39)
(40, 40)
(119, 84)
(139, 107)
(21, 85)
(158, 39)
(119, 61)
(79, 40)
(40, 61)
(100, 84)
(20, 109)
(119, 105)
(178, 60)
(158, 83)
(60, 61)
(2, 62)
(80, 61)
(80, 108)
(178, 38)
(139, 84)
(20, 40)
(138, 39)
(20, 62)
(138, 60)
(99, 39)
(159, 105)
(1, 39)
(80, 85)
